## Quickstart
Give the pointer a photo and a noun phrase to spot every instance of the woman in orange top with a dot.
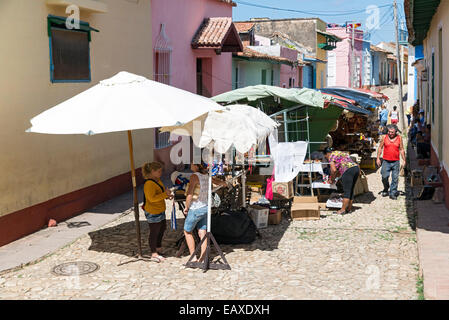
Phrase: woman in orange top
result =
(154, 206)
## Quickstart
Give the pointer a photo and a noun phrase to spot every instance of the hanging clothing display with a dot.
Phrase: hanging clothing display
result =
(288, 158)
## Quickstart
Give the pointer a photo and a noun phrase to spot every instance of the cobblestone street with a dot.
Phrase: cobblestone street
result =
(369, 254)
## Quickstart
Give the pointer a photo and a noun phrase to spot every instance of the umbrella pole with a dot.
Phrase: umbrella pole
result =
(139, 256)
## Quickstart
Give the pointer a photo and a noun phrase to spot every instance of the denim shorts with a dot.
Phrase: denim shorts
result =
(196, 217)
(154, 218)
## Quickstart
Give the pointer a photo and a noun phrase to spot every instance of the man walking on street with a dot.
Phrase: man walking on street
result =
(392, 147)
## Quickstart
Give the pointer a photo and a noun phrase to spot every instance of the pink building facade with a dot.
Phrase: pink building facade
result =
(340, 59)
(291, 76)
(181, 20)
(193, 43)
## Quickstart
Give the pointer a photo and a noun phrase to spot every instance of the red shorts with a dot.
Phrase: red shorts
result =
(394, 121)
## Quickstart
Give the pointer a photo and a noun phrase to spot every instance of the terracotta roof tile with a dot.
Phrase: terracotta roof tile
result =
(229, 1)
(377, 49)
(249, 53)
(243, 27)
(212, 32)
(392, 57)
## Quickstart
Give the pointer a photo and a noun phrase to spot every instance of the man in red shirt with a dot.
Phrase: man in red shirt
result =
(392, 147)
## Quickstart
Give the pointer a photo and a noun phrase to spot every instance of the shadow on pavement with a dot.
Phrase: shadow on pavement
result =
(366, 198)
(118, 204)
(121, 239)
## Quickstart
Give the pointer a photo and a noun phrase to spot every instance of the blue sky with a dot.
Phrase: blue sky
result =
(327, 10)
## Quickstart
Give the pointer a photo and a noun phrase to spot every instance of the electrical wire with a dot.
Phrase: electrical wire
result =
(327, 13)
(385, 20)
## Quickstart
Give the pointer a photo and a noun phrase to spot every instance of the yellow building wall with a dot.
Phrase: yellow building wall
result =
(36, 167)
(321, 54)
(440, 20)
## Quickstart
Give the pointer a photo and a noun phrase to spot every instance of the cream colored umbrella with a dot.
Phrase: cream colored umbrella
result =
(124, 102)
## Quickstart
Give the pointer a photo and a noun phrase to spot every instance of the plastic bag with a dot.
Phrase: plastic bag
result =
(269, 191)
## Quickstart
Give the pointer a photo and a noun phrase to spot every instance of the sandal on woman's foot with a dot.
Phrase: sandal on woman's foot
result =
(337, 212)
(157, 258)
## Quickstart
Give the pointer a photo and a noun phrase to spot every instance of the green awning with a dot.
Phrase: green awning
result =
(55, 21)
(297, 103)
(419, 14)
(330, 36)
(286, 97)
(326, 46)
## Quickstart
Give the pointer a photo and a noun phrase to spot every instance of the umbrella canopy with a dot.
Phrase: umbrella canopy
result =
(241, 126)
(124, 102)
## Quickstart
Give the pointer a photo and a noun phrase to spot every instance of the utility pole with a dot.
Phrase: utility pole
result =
(352, 53)
(401, 104)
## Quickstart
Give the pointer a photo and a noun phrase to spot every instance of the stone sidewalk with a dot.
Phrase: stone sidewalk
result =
(43, 243)
(433, 243)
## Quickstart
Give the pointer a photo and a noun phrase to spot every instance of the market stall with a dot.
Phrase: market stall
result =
(305, 115)
(357, 133)
(239, 126)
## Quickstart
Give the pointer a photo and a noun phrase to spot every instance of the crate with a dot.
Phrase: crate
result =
(259, 215)
(275, 218)
(282, 190)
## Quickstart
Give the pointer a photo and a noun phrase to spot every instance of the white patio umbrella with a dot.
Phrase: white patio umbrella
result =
(240, 126)
(124, 102)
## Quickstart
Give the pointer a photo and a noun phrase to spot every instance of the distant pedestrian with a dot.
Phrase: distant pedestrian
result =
(422, 119)
(409, 114)
(154, 206)
(394, 116)
(392, 148)
(383, 116)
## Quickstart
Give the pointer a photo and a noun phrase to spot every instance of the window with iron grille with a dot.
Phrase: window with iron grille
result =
(162, 73)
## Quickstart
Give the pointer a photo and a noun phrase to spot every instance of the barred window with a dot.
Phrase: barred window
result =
(162, 73)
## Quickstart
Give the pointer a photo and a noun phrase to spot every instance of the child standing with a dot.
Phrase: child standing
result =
(394, 115)
(154, 206)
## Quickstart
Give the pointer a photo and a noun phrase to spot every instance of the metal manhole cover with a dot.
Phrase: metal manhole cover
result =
(75, 268)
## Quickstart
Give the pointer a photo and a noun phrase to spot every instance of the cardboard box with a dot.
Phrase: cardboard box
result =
(259, 215)
(275, 218)
(305, 199)
(253, 194)
(305, 211)
(305, 208)
(417, 179)
(282, 190)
